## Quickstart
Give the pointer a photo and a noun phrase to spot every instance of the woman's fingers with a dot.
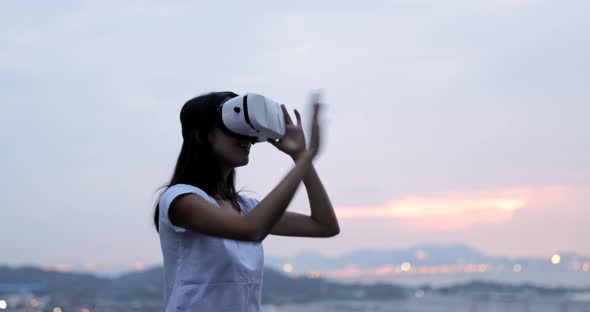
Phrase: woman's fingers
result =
(298, 116)
(288, 120)
(315, 128)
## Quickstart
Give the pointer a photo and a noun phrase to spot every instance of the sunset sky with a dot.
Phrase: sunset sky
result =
(445, 121)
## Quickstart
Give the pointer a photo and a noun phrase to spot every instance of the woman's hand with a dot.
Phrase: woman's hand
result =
(293, 142)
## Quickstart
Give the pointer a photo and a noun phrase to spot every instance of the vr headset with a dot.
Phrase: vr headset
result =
(253, 117)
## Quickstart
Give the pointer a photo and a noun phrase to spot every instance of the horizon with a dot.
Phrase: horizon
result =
(113, 271)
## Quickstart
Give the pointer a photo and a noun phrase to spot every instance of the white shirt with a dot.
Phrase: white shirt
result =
(208, 273)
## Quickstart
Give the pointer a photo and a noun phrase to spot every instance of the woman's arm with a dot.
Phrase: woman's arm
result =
(197, 214)
(321, 223)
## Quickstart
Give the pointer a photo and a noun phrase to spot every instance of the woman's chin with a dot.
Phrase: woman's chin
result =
(241, 162)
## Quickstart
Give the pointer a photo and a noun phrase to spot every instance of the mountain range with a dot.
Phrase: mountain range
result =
(147, 286)
(423, 254)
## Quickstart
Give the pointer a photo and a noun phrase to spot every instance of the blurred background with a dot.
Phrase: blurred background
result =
(456, 148)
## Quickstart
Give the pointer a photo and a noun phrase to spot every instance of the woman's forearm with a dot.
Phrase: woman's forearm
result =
(272, 207)
(319, 202)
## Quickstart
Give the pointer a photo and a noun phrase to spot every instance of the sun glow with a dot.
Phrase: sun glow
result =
(448, 211)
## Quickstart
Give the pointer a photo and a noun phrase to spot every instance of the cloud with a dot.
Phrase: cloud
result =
(452, 211)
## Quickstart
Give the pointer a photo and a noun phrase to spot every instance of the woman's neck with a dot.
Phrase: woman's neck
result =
(221, 187)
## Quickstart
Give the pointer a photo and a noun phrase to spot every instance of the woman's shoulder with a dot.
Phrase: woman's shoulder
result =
(177, 189)
(182, 186)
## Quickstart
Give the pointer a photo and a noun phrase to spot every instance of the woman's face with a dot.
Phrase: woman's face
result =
(233, 152)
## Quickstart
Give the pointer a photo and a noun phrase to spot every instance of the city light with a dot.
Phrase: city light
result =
(3, 304)
(287, 268)
(406, 266)
(34, 303)
(314, 275)
(57, 309)
(517, 268)
(386, 269)
(555, 259)
(576, 265)
(84, 310)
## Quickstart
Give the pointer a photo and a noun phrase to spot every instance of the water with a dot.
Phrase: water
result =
(441, 304)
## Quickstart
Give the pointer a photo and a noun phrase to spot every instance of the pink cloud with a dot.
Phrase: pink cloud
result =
(452, 211)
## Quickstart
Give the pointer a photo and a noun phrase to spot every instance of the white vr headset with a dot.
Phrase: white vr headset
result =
(252, 116)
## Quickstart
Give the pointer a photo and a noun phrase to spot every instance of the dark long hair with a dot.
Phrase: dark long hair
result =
(196, 164)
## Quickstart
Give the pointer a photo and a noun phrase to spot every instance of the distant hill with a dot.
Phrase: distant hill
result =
(148, 284)
(279, 288)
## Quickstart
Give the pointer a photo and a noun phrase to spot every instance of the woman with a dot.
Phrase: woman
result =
(209, 234)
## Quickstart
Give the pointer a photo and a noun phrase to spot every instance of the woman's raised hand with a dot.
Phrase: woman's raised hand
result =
(314, 144)
(293, 142)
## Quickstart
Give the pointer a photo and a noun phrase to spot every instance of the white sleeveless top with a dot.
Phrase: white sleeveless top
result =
(208, 273)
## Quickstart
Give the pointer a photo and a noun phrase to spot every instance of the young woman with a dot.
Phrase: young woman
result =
(209, 234)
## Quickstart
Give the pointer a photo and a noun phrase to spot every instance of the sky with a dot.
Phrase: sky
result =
(444, 122)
